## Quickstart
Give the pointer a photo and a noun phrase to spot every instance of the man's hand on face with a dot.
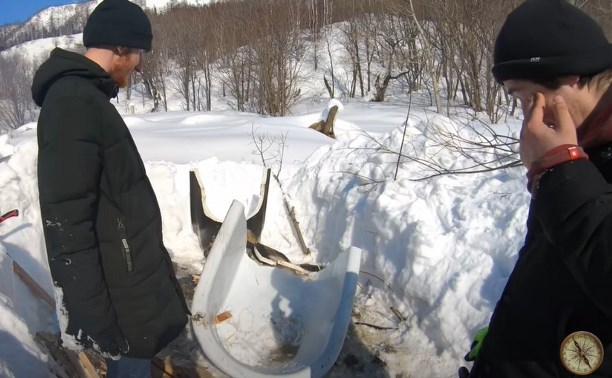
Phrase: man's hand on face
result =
(538, 137)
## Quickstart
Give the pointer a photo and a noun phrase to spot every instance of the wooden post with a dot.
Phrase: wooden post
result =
(327, 127)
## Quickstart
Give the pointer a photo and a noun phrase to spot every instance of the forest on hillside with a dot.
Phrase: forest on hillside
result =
(59, 23)
(255, 49)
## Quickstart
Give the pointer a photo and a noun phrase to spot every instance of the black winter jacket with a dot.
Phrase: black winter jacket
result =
(101, 218)
(562, 281)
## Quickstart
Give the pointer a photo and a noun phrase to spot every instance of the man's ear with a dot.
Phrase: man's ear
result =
(121, 51)
(571, 81)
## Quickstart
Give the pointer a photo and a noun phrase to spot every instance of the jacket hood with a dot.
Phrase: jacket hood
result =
(61, 64)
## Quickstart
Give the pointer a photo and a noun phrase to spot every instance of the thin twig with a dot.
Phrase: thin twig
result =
(382, 328)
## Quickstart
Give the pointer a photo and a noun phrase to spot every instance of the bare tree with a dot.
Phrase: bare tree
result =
(156, 69)
(600, 10)
(331, 87)
(179, 24)
(462, 34)
(235, 63)
(429, 59)
(16, 105)
(370, 49)
(396, 34)
(480, 145)
(271, 150)
(279, 49)
(315, 24)
(353, 39)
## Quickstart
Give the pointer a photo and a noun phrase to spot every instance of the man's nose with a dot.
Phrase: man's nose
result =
(138, 67)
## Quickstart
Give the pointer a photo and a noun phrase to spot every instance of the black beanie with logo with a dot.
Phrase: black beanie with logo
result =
(118, 23)
(546, 39)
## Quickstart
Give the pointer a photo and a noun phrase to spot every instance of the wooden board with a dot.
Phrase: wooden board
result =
(79, 361)
(50, 344)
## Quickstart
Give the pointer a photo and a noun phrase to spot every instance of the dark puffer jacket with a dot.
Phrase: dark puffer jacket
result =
(101, 218)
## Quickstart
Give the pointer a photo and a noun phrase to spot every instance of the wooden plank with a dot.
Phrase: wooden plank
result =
(79, 364)
(33, 285)
(7, 278)
(169, 368)
(77, 358)
(87, 365)
(59, 354)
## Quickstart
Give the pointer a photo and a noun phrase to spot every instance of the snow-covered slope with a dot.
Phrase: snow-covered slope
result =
(70, 18)
(60, 14)
(54, 20)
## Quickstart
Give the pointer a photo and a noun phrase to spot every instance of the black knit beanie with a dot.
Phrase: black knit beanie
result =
(546, 39)
(118, 23)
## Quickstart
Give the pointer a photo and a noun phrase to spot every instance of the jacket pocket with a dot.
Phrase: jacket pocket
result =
(125, 246)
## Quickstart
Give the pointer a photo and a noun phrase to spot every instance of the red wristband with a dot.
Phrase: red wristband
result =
(553, 157)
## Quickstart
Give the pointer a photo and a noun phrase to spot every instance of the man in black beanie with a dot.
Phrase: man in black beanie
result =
(554, 318)
(115, 281)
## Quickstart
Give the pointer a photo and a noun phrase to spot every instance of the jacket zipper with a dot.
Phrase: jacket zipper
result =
(177, 286)
(127, 253)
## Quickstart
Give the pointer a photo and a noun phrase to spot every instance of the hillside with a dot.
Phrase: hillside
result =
(60, 20)
(50, 22)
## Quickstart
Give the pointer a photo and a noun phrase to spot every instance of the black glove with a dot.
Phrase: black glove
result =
(110, 342)
(463, 372)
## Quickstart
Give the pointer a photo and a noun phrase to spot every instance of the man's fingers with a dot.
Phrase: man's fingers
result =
(563, 119)
(536, 110)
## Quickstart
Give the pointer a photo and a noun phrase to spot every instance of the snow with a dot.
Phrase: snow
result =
(59, 14)
(161, 4)
(37, 51)
(436, 251)
(284, 337)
